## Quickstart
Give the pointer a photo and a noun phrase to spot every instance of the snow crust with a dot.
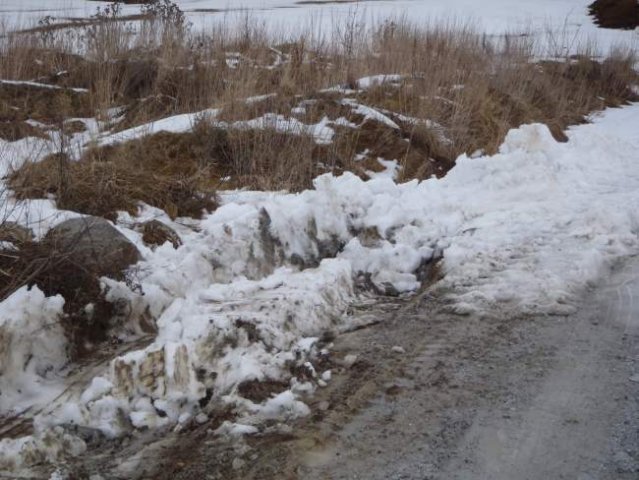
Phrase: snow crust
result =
(45, 86)
(321, 132)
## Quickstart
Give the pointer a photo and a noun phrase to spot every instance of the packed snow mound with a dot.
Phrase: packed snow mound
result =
(32, 348)
(213, 339)
(525, 229)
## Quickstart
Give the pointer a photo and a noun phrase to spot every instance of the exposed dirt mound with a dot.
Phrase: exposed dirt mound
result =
(622, 14)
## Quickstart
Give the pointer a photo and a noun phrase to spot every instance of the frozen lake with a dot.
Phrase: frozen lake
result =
(567, 19)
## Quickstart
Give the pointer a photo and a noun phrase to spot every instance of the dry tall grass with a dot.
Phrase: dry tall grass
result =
(465, 90)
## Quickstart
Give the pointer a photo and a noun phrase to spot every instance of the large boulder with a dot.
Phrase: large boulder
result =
(93, 245)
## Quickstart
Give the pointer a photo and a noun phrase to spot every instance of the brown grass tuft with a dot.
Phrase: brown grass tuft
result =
(159, 172)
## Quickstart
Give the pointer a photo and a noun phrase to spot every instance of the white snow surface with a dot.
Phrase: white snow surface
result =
(566, 21)
(45, 86)
(321, 132)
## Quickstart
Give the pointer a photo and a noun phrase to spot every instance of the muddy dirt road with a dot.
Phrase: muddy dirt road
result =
(434, 395)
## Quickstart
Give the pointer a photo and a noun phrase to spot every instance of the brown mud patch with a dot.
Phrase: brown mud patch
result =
(260, 391)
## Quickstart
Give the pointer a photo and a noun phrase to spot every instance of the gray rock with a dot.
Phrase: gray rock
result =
(93, 245)
(155, 233)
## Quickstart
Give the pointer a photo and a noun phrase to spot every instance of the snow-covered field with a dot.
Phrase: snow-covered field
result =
(524, 230)
(566, 21)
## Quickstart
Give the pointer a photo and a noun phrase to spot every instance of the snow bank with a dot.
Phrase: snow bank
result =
(524, 229)
(32, 349)
(258, 281)
(212, 339)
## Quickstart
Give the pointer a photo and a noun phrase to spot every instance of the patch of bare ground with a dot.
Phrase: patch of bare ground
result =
(12, 131)
(622, 14)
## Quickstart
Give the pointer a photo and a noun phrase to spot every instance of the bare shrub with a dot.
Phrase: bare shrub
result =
(623, 14)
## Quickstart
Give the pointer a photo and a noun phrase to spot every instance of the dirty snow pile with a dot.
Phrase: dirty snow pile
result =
(256, 283)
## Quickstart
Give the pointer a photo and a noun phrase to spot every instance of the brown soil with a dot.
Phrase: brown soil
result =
(622, 14)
